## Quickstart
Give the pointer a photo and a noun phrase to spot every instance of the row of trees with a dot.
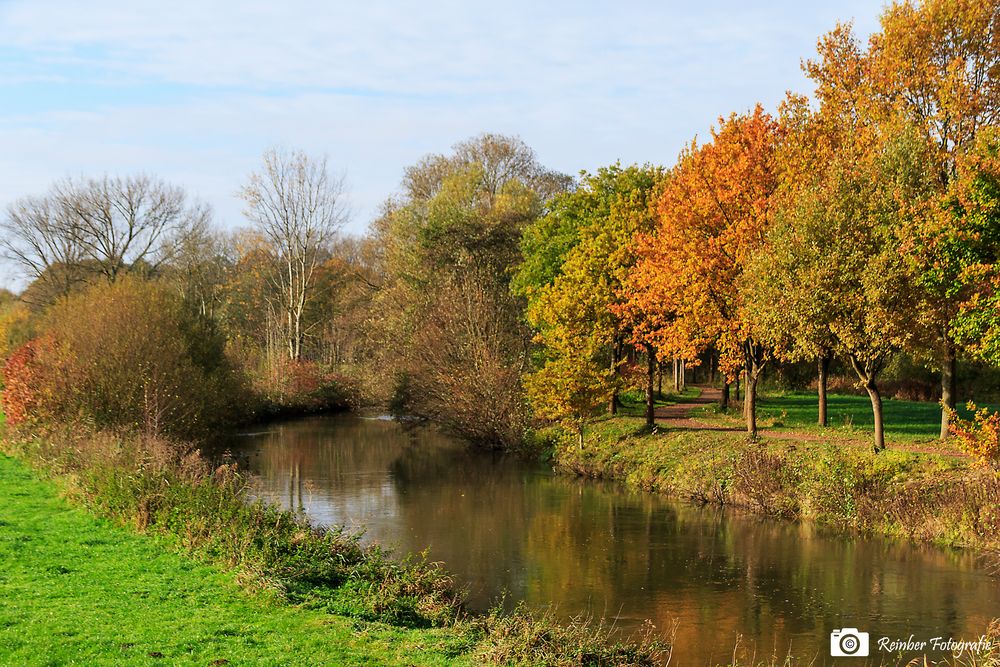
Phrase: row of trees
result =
(860, 223)
(857, 223)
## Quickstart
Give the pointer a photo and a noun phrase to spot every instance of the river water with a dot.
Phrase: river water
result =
(715, 578)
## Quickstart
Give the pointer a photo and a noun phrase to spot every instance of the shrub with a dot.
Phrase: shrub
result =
(767, 481)
(31, 377)
(524, 638)
(980, 436)
(127, 355)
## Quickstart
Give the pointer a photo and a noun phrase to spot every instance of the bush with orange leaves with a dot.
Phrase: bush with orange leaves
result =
(131, 356)
(980, 436)
(29, 382)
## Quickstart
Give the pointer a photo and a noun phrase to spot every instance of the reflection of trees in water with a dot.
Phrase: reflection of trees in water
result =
(502, 525)
(434, 460)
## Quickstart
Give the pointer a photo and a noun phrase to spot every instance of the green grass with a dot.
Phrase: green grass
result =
(910, 494)
(903, 418)
(798, 410)
(80, 591)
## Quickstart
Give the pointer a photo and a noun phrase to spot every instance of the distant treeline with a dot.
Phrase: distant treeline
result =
(857, 227)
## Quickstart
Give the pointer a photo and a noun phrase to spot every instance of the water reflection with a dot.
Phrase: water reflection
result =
(503, 525)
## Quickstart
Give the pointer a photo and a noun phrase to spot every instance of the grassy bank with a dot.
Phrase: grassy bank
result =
(920, 496)
(79, 590)
(173, 559)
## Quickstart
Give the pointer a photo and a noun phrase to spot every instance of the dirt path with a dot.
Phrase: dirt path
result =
(678, 416)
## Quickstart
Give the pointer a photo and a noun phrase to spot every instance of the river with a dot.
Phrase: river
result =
(714, 578)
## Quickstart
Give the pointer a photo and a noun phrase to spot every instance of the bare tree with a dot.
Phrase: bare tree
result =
(39, 237)
(298, 206)
(98, 227)
(124, 224)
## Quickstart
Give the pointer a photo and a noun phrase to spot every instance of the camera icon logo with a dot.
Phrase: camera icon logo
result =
(848, 642)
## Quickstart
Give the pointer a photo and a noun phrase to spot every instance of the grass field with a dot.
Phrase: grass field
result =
(904, 420)
(79, 591)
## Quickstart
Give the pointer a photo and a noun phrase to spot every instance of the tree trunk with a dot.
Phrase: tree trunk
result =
(743, 401)
(876, 400)
(682, 372)
(750, 400)
(824, 372)
(677, 378)
(659, 379)
(947, 386)
(724, 401)
(867, 374)
(650, 378)
(613, 403)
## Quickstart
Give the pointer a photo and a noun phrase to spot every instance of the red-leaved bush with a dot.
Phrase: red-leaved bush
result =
(979, 436)
(30, 382)
(19, 398)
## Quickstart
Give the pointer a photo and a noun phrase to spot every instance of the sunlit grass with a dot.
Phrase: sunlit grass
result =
(906, 421)
(78, 590)
(633, 403)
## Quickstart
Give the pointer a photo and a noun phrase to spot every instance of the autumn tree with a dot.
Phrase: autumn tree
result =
(976, 200)
(789, 313)
(835, 260)
(349, 280)
(576, 259)
(569, 389)
(935, 65)
(450, 338)
(712, 217)
(298, 206)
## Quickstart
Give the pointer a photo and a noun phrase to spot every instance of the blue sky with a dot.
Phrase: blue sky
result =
(194, 92)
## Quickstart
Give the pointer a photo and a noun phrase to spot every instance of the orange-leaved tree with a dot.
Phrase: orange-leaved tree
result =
(935, 65)
(712, 216)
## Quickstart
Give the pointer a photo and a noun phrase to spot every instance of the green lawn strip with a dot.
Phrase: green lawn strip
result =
(848, 415)
(80, 591)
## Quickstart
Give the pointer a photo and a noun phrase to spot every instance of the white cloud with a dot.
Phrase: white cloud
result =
(202, 88)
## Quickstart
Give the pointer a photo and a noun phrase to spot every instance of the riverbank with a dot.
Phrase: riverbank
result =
(79, 590)
(172, 559)
(918, 495)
